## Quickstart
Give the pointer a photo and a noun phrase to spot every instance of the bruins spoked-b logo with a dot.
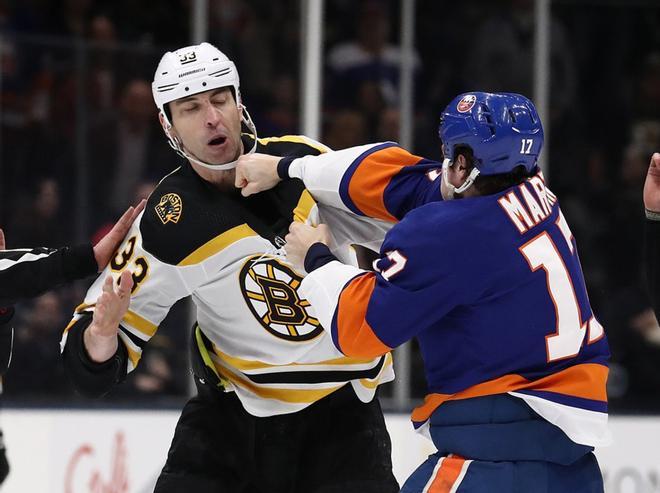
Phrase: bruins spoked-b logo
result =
(270, 289)
(169, 208)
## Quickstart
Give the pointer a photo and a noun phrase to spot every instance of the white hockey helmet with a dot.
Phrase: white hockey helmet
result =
(191, 70)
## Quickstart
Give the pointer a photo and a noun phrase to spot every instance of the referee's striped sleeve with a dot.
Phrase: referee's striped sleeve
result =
(25, 273)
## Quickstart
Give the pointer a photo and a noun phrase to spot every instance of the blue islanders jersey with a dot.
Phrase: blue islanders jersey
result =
(491, 286)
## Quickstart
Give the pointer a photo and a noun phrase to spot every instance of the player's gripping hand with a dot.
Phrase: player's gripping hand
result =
(652, 185)
(256, 173)
(300, 238)
(101, 336)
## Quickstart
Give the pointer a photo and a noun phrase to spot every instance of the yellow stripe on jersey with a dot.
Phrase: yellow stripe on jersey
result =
(140, 323)
(297, 396)
(247, 365)
(133, 356)
(201, 347)
(78, 311)
(84, 306)
(375, 382)
(218, 244)
(73, 321)
(134, 352)
(298, 139)
(304, 207)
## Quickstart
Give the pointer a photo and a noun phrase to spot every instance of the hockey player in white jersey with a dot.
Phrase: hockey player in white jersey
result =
(268, 375)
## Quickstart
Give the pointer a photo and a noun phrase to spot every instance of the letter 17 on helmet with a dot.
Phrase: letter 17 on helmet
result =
(503, 130)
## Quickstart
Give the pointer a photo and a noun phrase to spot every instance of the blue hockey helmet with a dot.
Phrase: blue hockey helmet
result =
(503, 130)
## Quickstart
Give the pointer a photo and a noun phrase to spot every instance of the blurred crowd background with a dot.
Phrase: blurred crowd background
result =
(80, 141)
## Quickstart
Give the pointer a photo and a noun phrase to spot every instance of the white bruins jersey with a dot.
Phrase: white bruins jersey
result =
(255, 330)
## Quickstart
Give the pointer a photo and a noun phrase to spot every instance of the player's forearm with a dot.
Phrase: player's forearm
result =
(381, 181)
(324, 286)
(100, 348)
(90, 378)
(323, 174)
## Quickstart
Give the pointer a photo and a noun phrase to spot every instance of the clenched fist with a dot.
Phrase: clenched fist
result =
(300, 238)
(256, 173)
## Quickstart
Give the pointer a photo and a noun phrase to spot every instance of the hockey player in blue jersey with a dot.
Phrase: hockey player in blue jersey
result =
(483, 269)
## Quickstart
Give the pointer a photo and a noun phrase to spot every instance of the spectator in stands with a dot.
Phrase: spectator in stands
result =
(36, 369)
(635, 344)
(626, 218)
(279, 115)
(346, 128)
(503, 49)
(367, 64)
(40, 222)
(128, 148)
(104, 60)
(388, 125)
(646, 96)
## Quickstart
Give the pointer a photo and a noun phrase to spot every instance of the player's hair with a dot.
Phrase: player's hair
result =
(491, 184)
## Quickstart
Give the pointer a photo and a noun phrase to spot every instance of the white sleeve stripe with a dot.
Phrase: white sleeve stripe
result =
(29, 257)
(323, 174)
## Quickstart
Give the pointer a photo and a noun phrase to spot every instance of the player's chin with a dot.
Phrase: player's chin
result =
(222, 155)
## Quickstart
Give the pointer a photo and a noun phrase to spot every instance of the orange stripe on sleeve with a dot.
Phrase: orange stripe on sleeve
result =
(586, 381)
(446, 477)
(356, 338)
(368, 183)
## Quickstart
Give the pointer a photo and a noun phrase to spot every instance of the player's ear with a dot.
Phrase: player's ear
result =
(167, 126)
(461, 165)
(162, 120)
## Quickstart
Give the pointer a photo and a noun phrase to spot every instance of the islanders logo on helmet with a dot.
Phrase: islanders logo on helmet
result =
(466, 103)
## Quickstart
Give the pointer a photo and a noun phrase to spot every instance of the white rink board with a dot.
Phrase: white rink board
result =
(123, 451)
(85, 451)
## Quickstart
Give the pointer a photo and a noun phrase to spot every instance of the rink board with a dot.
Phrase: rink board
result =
(72, 451)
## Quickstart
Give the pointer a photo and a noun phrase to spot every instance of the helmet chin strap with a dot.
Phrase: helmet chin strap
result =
(451, 189)
(177, 145)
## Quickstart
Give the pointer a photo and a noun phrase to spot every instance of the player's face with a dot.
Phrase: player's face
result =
(209, 125)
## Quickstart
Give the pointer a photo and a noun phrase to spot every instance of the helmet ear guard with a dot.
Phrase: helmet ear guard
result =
(451, 189)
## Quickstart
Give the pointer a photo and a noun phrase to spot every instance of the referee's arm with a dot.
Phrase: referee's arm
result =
(25, 273)
(28, 272)
(652, 232)
(6, 338)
